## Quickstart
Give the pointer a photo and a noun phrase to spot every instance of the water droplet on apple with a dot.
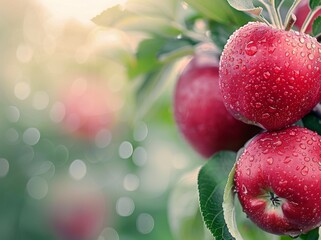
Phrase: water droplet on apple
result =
(248, 172)
(287, 160)
(258, 105)
(301, 40)
(302, 146)
(252, 72)
(304, 170)
(266, 75)
(265, 115)
(244, 189)
(277, 143)
(270, 160)
(251, 49)
(277, 69)
(311, 56)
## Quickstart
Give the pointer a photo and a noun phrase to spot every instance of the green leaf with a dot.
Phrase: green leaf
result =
(152, 86)
(312, 122)
(211, 183)
(246, 6)
(146, 57)
(312, 235)
(316, 27)
(220, 33)
(229, 207)
(314, 4)
(218, 10)
(185, 218)
(125, 20)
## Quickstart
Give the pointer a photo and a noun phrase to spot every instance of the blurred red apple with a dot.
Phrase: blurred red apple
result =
(77, 211)
(200, 113)
(89, 108)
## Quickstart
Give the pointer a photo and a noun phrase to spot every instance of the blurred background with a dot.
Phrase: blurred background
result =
(89, 149)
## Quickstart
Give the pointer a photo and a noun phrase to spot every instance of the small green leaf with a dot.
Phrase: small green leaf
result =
(125, 20)
(146, 57)
(316, 27)
(314, 4)
(312, 235)
(211, 183)
(246, 6)
(218, 10)
(312, 122)
(229, 207)
(152, 86)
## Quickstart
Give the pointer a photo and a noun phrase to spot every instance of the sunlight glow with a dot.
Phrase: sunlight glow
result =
(82, 10)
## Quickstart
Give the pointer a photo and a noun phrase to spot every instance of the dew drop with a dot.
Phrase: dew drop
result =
(252, 72)
(265, 115)
(292, 133)
(244, 189)
(258, 105)
(271, 49)
(266, 75)
(270, 160)
(304, 170)
(277, 69)
(251, 48)
(248, 172)
(302, 146)
(311, 56)
(301, 40)
(309, 46)
(287, 64)
(287, 160)
(277, 143)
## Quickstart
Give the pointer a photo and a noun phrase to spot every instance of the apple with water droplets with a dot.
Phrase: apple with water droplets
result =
(200, 113)
(270, 77)
(277, 180)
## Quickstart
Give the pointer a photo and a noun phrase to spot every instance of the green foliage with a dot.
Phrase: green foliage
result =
(218, 10)
(211, 184)
(314, 4)
(246, 6)
(312, 122)
(316, 27)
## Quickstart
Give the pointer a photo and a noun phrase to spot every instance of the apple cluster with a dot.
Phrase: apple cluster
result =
(267, 79)
(271, 78)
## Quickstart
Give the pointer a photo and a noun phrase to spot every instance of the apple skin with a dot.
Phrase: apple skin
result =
(200, 113)
(301, 12)
(278, 178)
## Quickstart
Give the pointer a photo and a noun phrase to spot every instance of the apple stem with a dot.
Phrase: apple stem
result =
(289, 14)
(309, 19)
(291, 22)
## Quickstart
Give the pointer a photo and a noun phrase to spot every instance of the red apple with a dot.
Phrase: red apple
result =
(77, 211)
(301, 12)
(88, 108)
(200, 113)
(278, 180)
(270, 77)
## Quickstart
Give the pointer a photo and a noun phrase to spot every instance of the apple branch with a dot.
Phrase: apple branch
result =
(289, 14)
(309, 19)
